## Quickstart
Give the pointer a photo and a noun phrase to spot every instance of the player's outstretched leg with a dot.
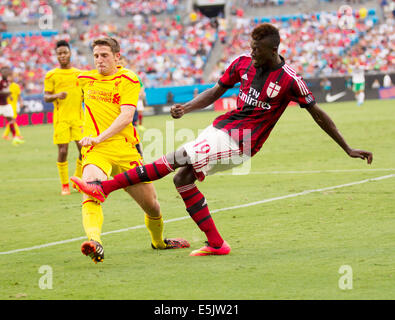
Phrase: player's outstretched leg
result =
(149, 172)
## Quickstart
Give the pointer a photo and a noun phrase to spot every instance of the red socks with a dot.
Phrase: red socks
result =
(12, 129)
(196, 206)
(149, 172)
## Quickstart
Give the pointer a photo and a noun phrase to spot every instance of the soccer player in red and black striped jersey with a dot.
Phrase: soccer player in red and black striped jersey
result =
(267, 86)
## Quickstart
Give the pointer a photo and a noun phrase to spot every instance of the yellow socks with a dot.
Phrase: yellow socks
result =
(78, 168)
(17, 131)
(7, 130)
(63, 169)
(92, 219)
(155, 228)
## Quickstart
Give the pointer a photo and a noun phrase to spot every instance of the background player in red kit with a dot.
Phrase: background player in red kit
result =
(267, 86)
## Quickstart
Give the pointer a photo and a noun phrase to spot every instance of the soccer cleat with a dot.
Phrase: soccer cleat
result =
(75, 187)
(211, 251)
(16, 141)
(176, 243)
(65, 190)
(93, 250)
(92, 188)
(6, 138)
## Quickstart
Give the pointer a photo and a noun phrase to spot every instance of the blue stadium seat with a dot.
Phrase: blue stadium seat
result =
(265, 19)
(372, 12)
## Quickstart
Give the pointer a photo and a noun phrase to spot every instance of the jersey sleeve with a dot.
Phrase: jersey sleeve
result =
(130, 89)
(301, 93)
(49, 85)
(231, 76)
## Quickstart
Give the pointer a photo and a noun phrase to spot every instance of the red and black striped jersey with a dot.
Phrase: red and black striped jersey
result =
(263, 96)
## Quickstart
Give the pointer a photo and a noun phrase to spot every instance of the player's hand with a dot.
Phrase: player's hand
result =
(89, 141)
(362, 154)
(62, 95)
(177, 111)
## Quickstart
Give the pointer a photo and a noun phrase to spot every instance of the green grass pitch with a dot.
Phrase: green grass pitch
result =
(291, 246)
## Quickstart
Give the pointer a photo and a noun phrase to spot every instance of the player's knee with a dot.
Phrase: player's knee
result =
(153, 207)
(177, 180)
(183, 177)
(62, 154)
(178, 158)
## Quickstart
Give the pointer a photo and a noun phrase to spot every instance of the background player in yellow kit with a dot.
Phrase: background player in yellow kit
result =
(16, 101)
(109, 144)
(60, 87)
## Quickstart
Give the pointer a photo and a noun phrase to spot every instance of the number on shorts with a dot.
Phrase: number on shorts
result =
(204, 148)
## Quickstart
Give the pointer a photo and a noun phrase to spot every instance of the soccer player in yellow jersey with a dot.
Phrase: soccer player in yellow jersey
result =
(109, 144)
(15, 100)
(60, 88)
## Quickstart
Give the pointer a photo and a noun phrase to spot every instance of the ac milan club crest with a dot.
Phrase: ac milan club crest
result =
(272, 90)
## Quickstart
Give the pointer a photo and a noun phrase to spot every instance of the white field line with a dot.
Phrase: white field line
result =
(310, 171)
(293, 195)
(249, 173)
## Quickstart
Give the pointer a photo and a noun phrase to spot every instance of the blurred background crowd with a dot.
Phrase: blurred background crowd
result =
(170, 43)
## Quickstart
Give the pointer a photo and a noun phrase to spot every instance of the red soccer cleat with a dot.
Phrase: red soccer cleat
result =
(211, 251)
(92, 188)
(94, 250)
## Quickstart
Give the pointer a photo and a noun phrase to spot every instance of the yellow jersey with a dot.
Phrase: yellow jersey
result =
(65, 80)
(103, 98)
(15, 91)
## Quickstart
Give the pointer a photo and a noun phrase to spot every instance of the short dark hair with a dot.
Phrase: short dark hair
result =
(266, 31)
(109, 42)
(62, 43)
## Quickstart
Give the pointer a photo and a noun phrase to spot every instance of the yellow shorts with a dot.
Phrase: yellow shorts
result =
(67, 131)
(112, 157)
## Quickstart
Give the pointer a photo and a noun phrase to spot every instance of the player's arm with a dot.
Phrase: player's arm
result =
(121, 122)
(51, 97)
(201, 101)
(20, 100)
(327, 124)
